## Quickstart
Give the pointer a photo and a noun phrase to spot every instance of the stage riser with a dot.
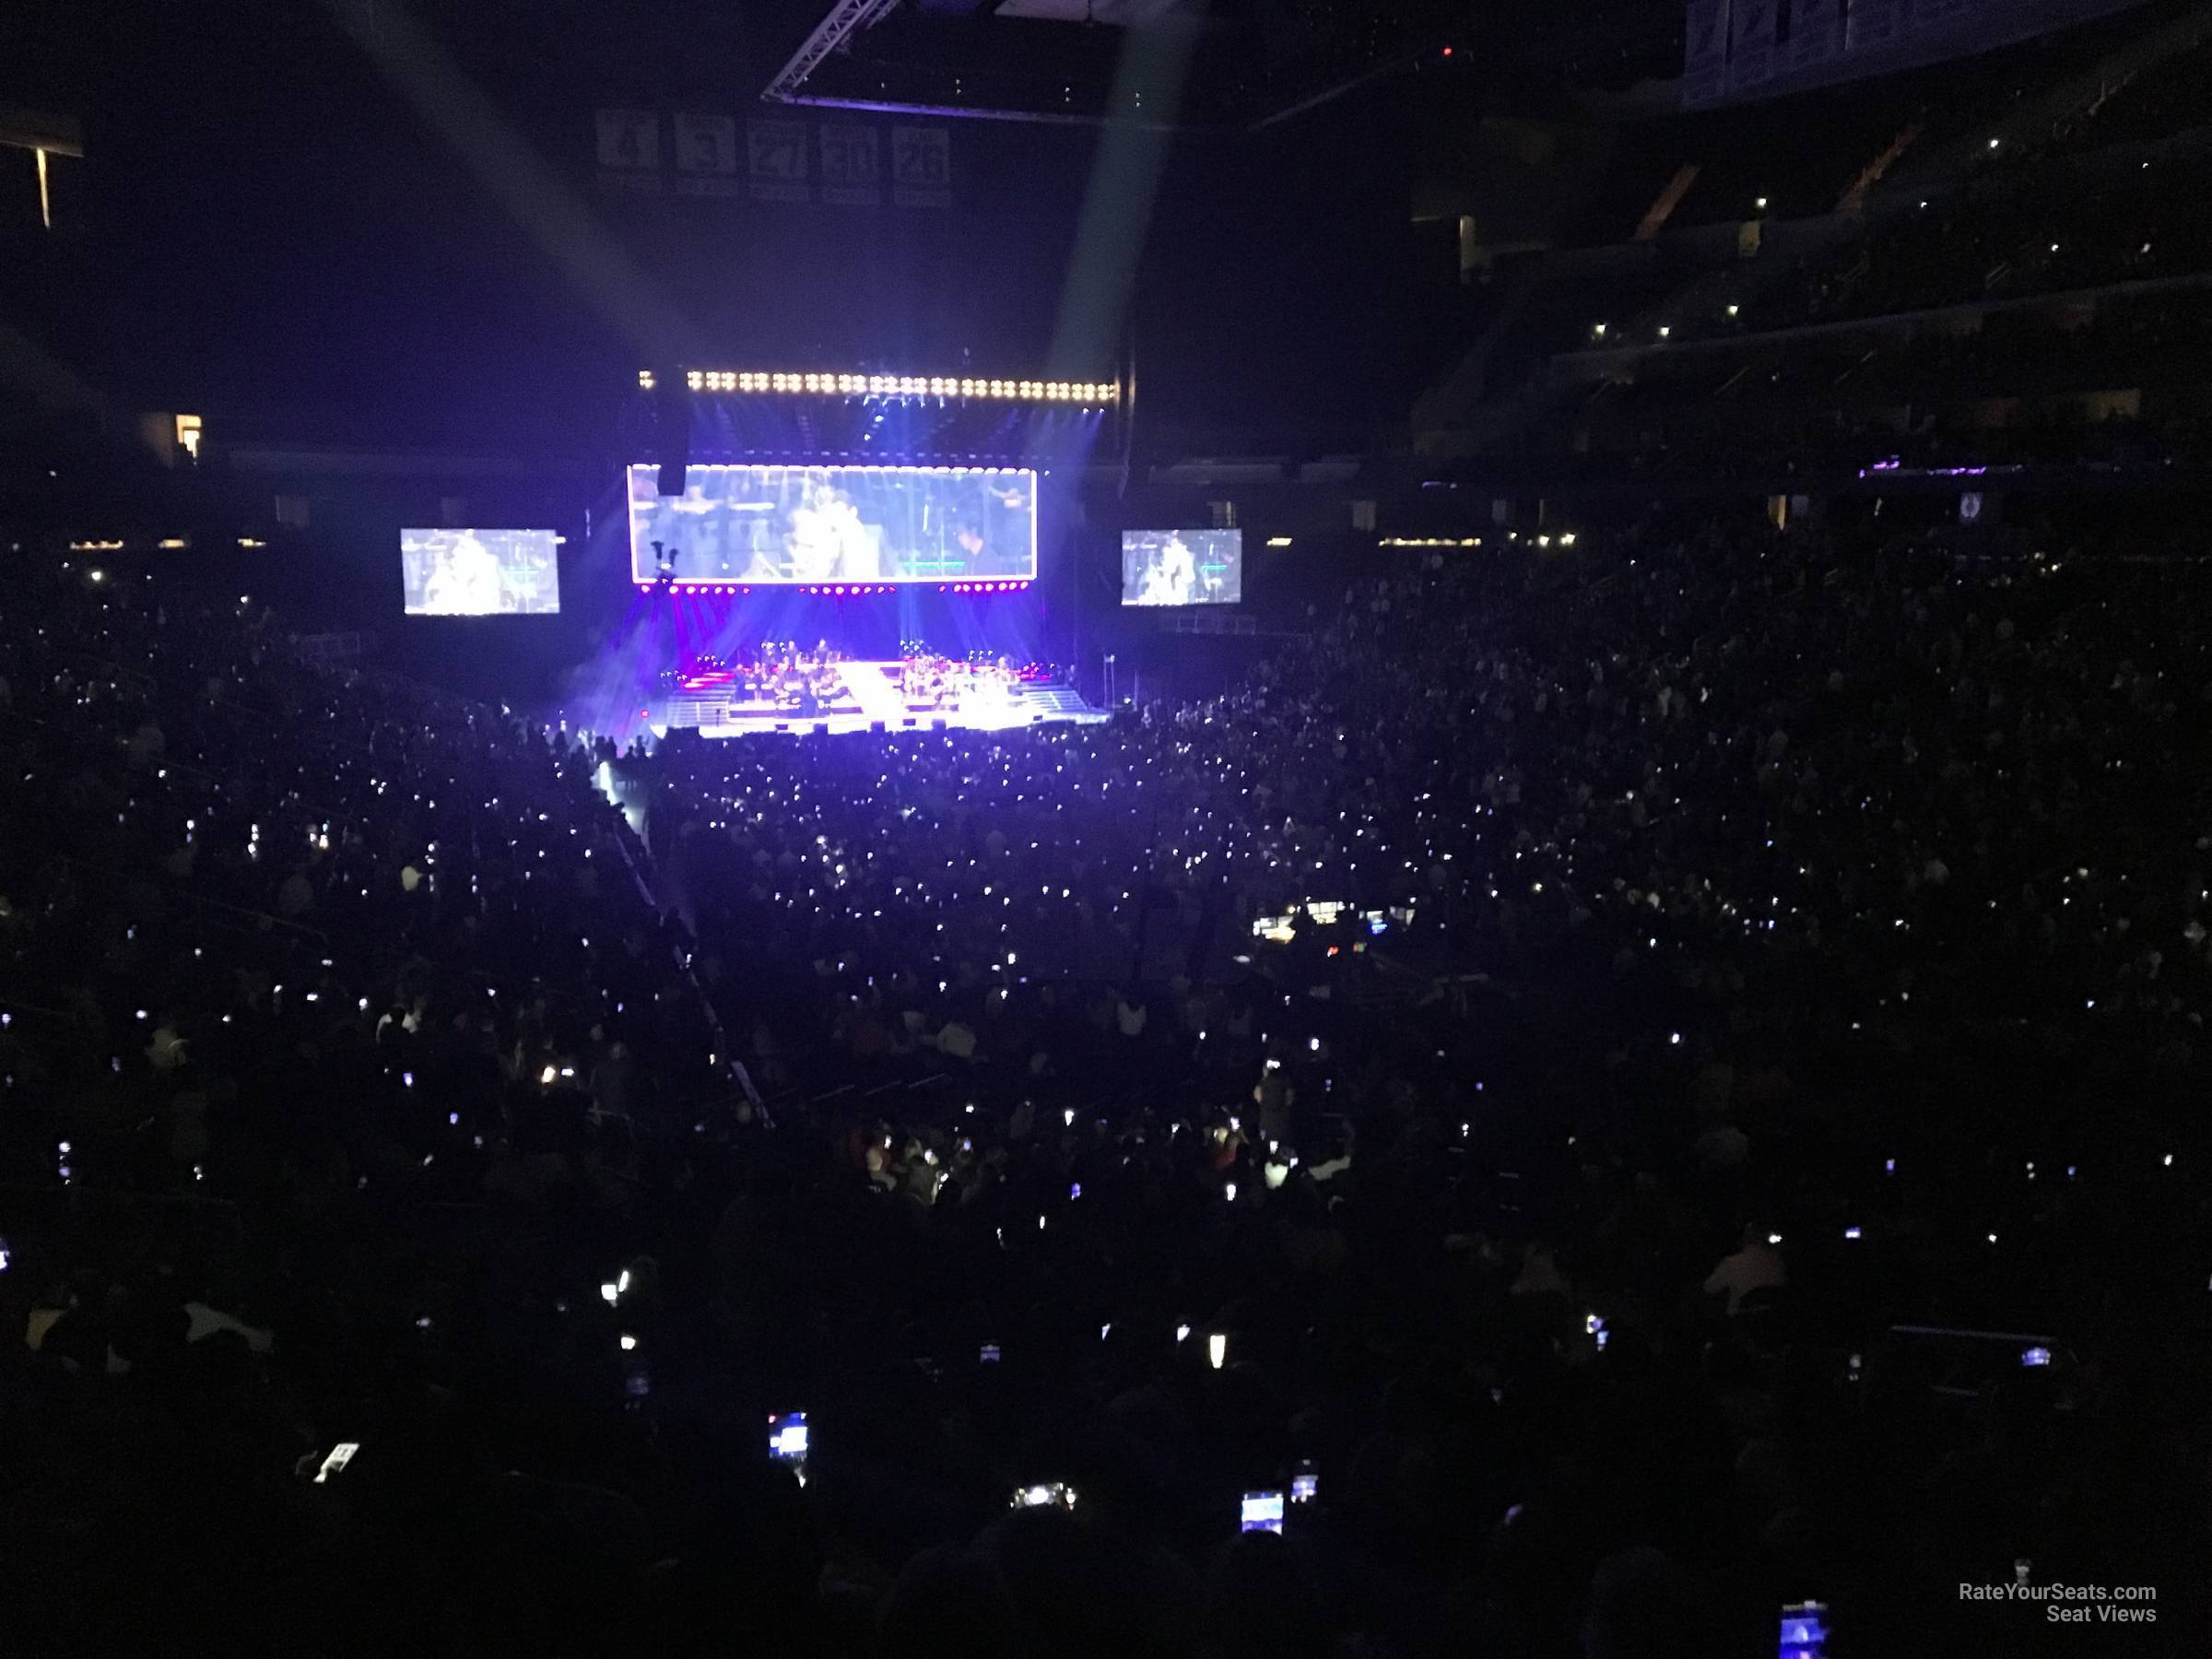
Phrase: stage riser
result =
(868, 706)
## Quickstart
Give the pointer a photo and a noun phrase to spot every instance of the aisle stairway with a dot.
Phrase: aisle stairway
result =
(1059, 702)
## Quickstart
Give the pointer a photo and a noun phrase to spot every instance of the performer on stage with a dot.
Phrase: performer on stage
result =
(813, 540)
(974, 558)
(1172, 576)
(1007, 523)
(856, 556)
(464, 582)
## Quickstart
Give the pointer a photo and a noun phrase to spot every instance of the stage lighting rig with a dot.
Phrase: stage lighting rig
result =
(819, 383)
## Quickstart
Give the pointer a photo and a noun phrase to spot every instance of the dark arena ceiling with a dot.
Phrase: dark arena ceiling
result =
(1237, 63)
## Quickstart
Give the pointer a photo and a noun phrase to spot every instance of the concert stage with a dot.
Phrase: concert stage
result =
(870, 696)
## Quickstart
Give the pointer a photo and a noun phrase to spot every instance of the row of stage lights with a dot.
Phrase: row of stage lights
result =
(839, 590)
(890, 385)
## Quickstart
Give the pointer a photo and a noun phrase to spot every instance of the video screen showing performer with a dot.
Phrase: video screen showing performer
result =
(479, 572)
(765, 526)
(1182, 567)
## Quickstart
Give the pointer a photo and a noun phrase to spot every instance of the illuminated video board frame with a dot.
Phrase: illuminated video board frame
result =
(701, 585)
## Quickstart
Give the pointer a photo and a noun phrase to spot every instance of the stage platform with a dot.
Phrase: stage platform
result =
(872, 702)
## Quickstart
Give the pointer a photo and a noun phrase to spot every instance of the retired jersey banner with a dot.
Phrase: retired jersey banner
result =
(629, 149)
(1870, 23)
(1815, 33)
(775, 156)
(852, 166)
(706, 155)
(1704, 50)
(629, 139)
(714, 160)
(1751, 43)
(921, 167)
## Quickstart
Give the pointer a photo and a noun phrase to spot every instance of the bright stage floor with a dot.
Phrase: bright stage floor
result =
(876, 704)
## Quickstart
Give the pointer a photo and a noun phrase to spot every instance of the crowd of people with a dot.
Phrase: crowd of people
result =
(1521, 1056)
(2039, 276)
(2077, 227)
(780, 674)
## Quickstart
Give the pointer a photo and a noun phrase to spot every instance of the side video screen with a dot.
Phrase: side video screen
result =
(1182, 567)
(769, 525)
(480, 573)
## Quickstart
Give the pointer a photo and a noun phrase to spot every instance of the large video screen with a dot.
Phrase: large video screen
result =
(1182, 567)
(480, 573)
(768, 524)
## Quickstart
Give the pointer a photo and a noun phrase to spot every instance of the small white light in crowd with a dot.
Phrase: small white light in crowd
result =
(1105, 1330)
(2165, 1162)
(1851, 1232)
(1067, 1118)
(546, 1075)
(1217, 1350)
(1674, 1038)
(1231, 1191)
(1312, 1043)
(629, 1341)
(406, 1079)
(1183, 1333)
(1774, 1238)
(1732, 309)
(1993, 1238)
(1664, 330)
(1760, 204)
(1890, 1167)
(1994, 143)
(622, 1282)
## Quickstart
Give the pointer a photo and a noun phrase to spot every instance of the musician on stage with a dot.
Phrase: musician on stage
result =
(1008, 517)
(1171, 576)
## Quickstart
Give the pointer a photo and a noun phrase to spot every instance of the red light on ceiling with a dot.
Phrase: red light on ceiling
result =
(1447, 51)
